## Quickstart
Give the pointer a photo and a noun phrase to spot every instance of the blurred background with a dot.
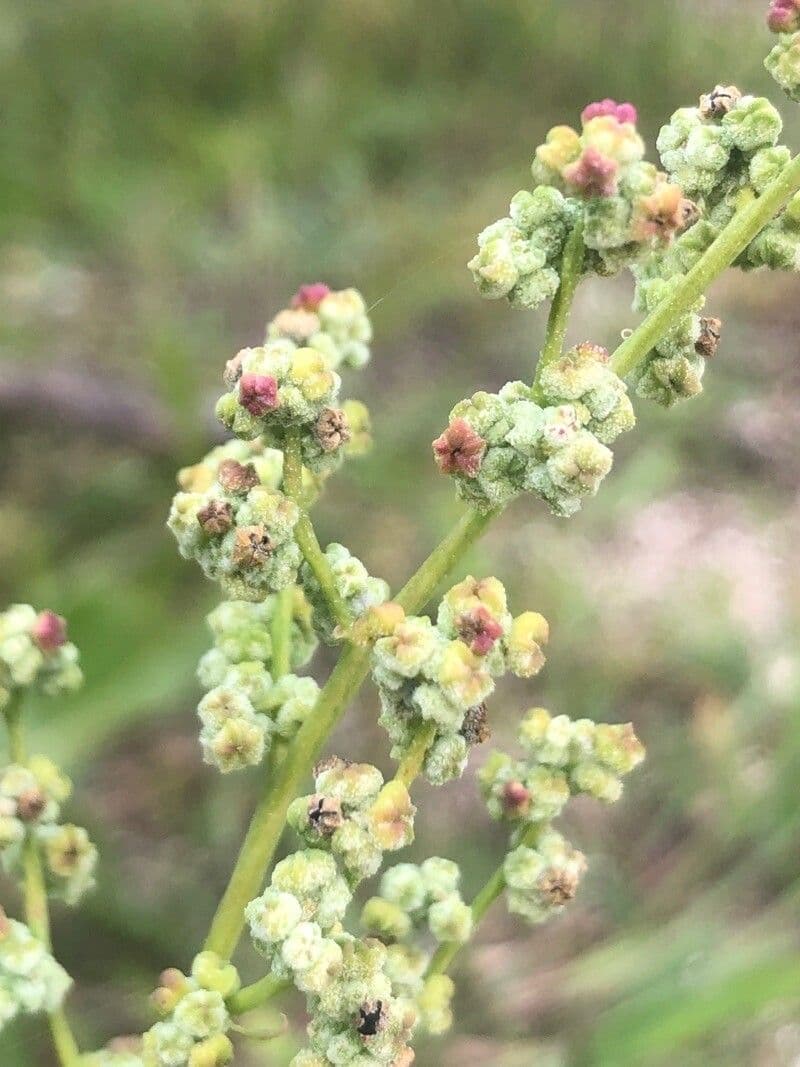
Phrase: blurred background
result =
(169, 173)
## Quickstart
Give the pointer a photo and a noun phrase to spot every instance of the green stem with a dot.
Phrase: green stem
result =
(411, 764)
(746, 224)
(571, 273)
(447, 951)
(37, 912)
(350, 671)
(281, 633)
(304, 530)
(253, 996)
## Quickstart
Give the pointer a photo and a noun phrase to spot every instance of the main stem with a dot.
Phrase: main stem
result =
(304, 530)
(37, 913)
(746, 224)
(345, 680)
(571, 273)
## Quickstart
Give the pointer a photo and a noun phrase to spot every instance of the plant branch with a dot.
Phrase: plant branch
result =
(746, 224)
(304, 530)
(447, 951)
(37, 912)
(253, 996)
(571, 274)
(281, 633)
(350, 671)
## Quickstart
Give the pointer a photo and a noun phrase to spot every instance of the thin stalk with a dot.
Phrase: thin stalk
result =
(571, 273)
(746, 224)
(410, 765)
(281, 633)
(304, 530)
(350, 671)
(37, 912)
(484, 899)
(253, 996)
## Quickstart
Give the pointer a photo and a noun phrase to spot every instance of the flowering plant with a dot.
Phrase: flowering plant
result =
(728, 195)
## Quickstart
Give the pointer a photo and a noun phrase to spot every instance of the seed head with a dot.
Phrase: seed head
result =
(371, 1018)
(235, 477)
(721, 100)
(253, 546)
(480, 630)
(710, 333)
(475, 728)
(331, 430)
(325, 814)
(216, 518)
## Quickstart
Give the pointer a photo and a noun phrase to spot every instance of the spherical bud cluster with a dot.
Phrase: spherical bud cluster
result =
(35, 653)
(354, 815)
(425, 897)
(778, 245)
(296, 923)
(355, 586)
(708, 147)
(193, 1031)
(561, 758)
(334, 323)
(31, 981)
(30, 804)
(356, 1019)
(267, 462)
(242, 714)
(783, 62)
(242, 634)
(675, 367)
(552, 442)
(239, 530)
(518, 256)
(443, 673)
(541, 880)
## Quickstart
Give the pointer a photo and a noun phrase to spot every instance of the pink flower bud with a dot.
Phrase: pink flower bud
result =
(621, 112)
(593, 174)
(479, 630)
(784, 16)
(309, 297)
(49, 631)
(258, 393)
(460, 449)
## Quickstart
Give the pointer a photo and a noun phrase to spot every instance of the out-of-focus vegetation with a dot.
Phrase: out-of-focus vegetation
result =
(169, 172)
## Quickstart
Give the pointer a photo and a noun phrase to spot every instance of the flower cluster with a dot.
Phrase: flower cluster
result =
(35, 653)
(236, 526)
(414, 896)
(561, 758)
(518, 256)
(245, 707)
(442, 674)
(30, 804)
(354, 815)
(551, 440)
(193, 1030)
(721, 151)
(334, 323)
(357, 588)
(31, 981)
(783, 62)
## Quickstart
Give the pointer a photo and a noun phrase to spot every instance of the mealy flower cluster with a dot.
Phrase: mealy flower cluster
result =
(31, 981)
(783, 62)
(297, 925)
(291, 381)
(551, 440)
(335, 323)
(561, 758)
(597, 178)
(35, 654)
(413, 897)
(30, 804)
(193, 1030)
(441, 674)
(357, 588)
(722, 152)
(245, 708)
(236, 525)
(355, 815)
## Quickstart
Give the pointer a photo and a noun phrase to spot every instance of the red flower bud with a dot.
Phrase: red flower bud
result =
(309, 297)
(49, 631)
(258, 393)
(459, 448)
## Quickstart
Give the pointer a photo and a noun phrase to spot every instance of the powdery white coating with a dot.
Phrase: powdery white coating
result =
(357, 588)
(31, 981)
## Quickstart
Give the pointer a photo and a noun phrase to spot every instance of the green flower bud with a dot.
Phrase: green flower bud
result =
(272, 917)
(69, 858)
(34, 652)
(450, 919)
(31, 981)
(766, 165)
(541, 880)
(201, 1013)
(405, 886)
(354, 585)
(215, 1051)
(214, 974)
(385, 919)
(166, 1045)
(434, 1001)
(446, 759)
(783, 63)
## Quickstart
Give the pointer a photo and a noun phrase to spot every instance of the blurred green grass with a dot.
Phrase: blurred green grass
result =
(168, 174)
